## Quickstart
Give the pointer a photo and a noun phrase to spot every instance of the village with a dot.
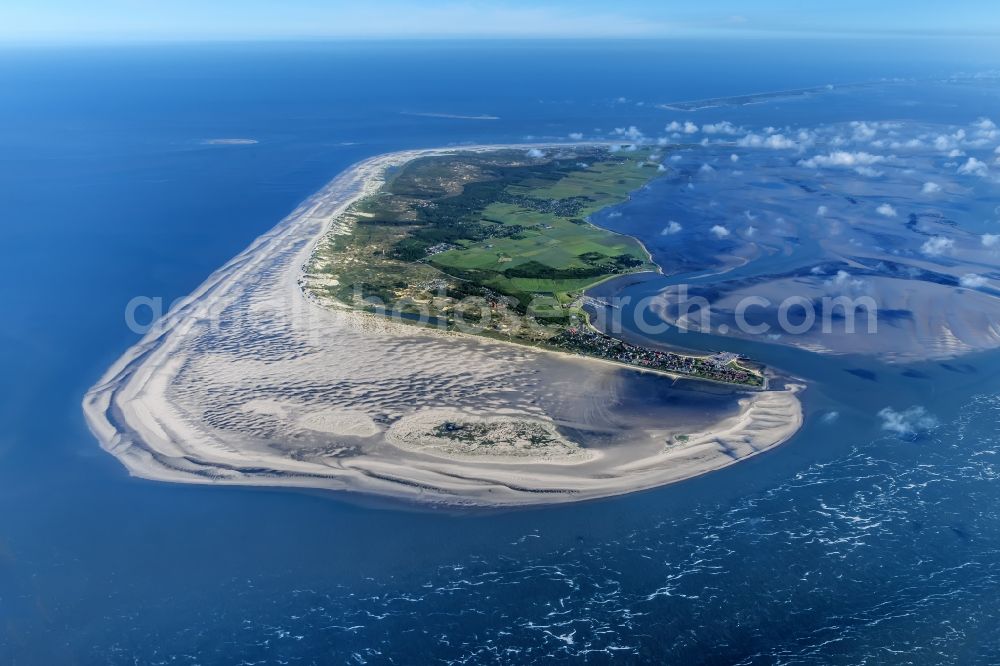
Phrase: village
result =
(723, 367)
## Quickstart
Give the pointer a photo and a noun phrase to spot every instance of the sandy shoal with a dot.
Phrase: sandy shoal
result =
(249, 381)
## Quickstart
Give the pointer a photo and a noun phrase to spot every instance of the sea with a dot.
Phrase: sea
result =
(852, 543)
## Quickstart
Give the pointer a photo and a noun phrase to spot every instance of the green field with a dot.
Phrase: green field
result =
(499, 244)
(552, 253)
(515, 265)
(501, 221)
(605, 183)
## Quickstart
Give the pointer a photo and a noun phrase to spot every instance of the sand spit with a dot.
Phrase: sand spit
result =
(230, 142)
(248, 381)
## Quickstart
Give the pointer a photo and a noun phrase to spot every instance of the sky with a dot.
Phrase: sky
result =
(179, 20)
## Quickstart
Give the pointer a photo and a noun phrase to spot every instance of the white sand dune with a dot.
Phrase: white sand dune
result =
(247, 381)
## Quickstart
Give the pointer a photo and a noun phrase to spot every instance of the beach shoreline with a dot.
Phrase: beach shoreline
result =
(144, 412)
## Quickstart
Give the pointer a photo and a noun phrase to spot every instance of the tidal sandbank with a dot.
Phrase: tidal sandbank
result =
(250, 381)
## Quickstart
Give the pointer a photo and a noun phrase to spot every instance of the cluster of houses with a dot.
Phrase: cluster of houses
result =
(719, 367)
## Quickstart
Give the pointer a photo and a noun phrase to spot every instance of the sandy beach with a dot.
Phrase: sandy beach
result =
(249, 381)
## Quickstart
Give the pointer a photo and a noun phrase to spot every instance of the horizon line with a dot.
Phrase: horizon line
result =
(734, 35)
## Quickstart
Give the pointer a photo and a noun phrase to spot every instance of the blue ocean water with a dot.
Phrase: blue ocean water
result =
(843, 546)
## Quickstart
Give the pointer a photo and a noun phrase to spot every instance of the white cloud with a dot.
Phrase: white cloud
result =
(947, 142)
(887, 210)
(863, 131)
(706, 168)
(844, 280)
(822, 211)
(631, 132)
(908, 422)
(839, 279)
(937, 246)
(990, 240)
(974, 167)
(734, 158)
(773, 141)
(719, 231)
(671, 228)
(751, 231)
(842, 158)
(910, 144)
(725, 127)
(984, 124)
(868, 172)
(535, 153)
(576, 136)
(930, 188)
(973, 281)
(687, 128)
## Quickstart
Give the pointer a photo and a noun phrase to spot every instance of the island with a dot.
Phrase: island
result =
(342, 349)
(500, 244)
